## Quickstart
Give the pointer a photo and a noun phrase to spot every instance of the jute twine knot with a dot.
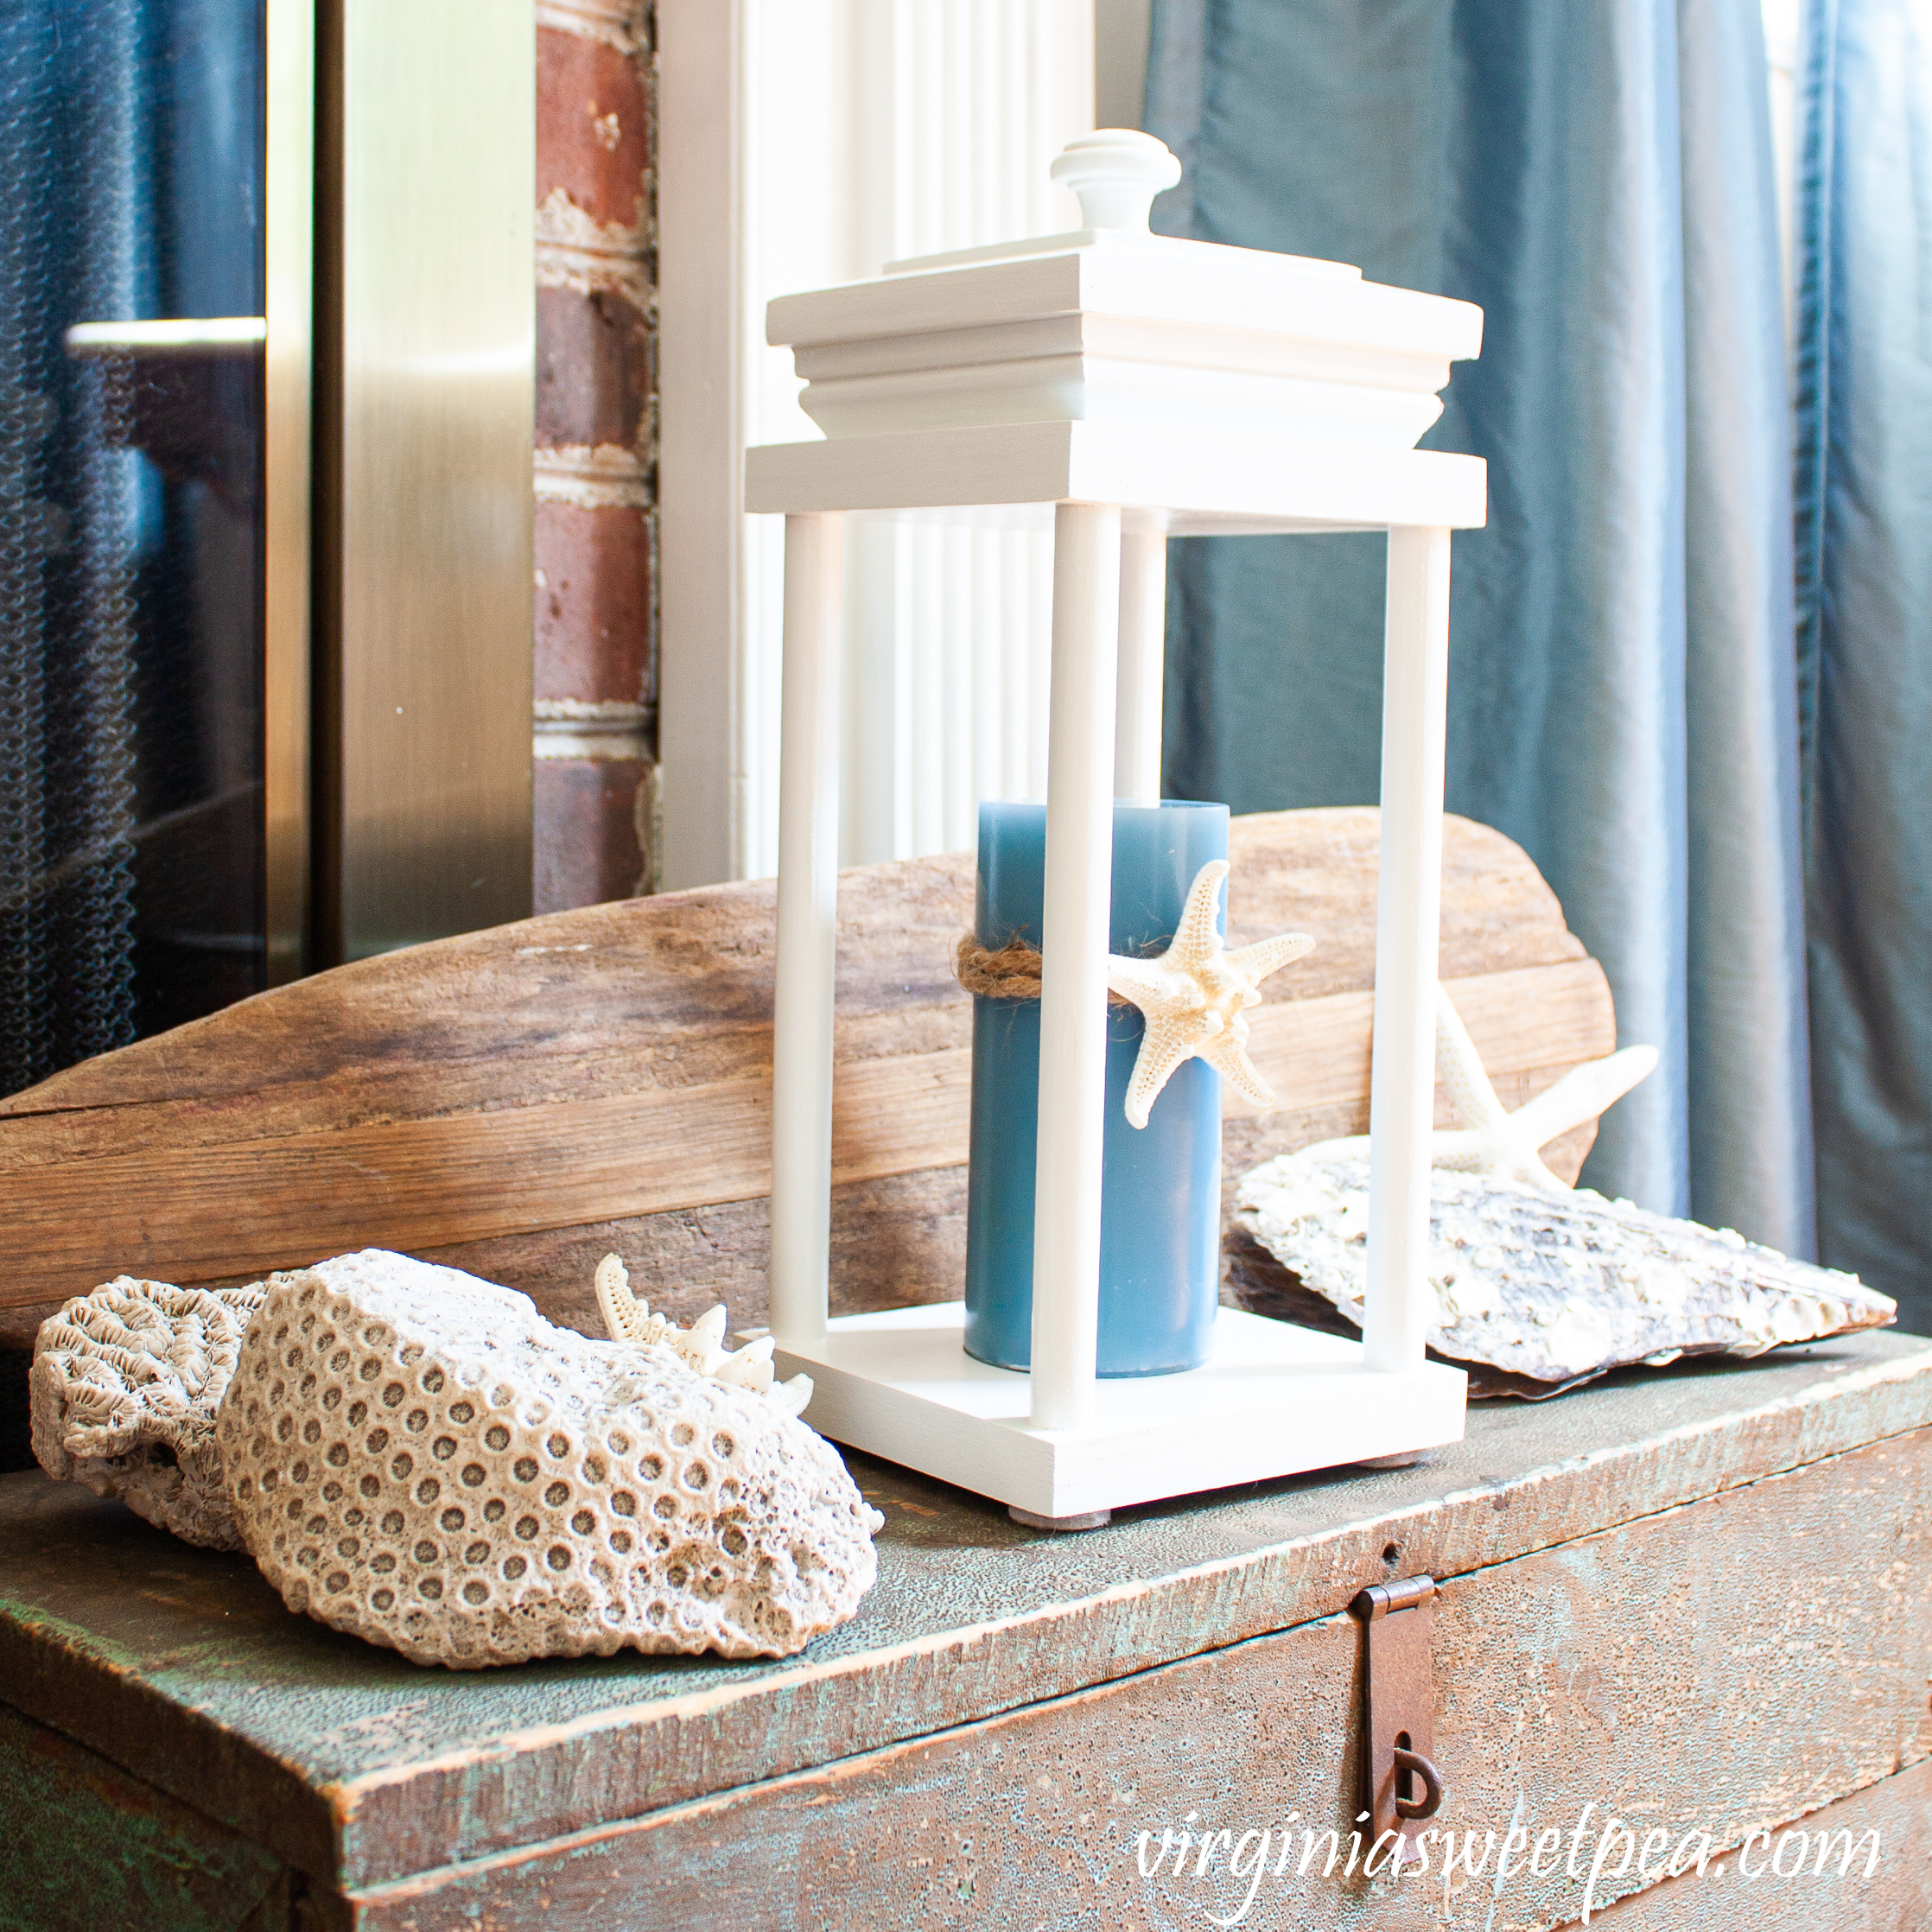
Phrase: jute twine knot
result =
(1012, 973)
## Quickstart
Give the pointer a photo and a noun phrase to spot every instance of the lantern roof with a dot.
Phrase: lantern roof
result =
(1110, 338)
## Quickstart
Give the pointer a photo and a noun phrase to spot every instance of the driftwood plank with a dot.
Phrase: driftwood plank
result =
(257, 1203)
(610, 1067)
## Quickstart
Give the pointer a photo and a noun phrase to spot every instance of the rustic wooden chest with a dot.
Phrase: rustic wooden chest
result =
(1695, 1601)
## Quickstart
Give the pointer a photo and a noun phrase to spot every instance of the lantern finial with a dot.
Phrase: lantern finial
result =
(1116, 173)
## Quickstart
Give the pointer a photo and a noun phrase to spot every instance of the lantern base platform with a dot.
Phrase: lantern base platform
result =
(1271, 1400)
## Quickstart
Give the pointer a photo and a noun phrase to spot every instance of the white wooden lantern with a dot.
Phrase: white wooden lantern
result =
(1131, 387)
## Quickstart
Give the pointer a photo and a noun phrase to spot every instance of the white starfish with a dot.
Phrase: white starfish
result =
(1193, 997)
(1491, 1140)
(1508, 1147)
(700, 1346)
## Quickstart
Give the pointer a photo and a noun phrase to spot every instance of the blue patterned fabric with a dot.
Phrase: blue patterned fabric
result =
(1623, 688)
(1865, 576)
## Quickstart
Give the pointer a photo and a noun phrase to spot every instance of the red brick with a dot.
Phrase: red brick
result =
(594, 603)
(593, 137)
(592, 354)
(587, 835)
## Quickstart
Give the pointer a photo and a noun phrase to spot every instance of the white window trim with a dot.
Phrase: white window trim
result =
(804, 142)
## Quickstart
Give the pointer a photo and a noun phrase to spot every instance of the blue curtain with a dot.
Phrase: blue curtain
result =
(1864, 579)
(1623, 682)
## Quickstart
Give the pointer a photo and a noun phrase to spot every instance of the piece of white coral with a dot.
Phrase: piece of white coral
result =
(700, 1347)
(122, 1394)
(417, 1457)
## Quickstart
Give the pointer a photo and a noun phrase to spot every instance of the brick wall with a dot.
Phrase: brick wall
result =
(595, 725)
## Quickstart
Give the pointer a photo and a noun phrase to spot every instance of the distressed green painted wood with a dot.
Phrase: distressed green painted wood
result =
(84, 1847)
(362, 1770)
(1711, 1669)
(1829, 1887)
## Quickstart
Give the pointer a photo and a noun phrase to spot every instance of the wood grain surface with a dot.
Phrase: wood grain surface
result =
(1809, 1892)
(1647, 1672)
(609, 1069)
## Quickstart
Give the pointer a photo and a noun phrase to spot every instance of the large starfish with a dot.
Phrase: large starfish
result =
(1193, 997)
(1505, 1146)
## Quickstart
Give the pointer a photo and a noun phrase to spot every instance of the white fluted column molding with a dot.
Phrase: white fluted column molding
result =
(816, 140)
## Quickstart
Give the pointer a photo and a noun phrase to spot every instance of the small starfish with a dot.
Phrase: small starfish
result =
(1506, 1145)
(1193, 996)
(700, 1347)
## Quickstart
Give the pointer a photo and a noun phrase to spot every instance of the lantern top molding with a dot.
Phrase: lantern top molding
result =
(1202, 388)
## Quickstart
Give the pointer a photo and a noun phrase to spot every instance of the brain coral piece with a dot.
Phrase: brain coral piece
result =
(419, 1458)
(123, 1391)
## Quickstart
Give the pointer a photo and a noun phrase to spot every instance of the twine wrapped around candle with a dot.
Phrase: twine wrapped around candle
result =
(1012, 973)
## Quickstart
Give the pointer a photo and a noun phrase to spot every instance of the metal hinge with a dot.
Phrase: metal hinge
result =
(1402, 1787)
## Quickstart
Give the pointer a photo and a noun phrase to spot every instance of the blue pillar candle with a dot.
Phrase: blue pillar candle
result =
(1160, 1214)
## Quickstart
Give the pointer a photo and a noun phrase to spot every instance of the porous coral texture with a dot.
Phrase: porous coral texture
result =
(1548, 1287)
(417, 1457)
(123, 1395)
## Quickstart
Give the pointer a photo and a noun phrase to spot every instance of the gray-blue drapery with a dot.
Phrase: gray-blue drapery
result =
(1865, 577)
(1623, 697)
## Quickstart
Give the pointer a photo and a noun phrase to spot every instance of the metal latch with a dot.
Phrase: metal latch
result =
(1401, 1785)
